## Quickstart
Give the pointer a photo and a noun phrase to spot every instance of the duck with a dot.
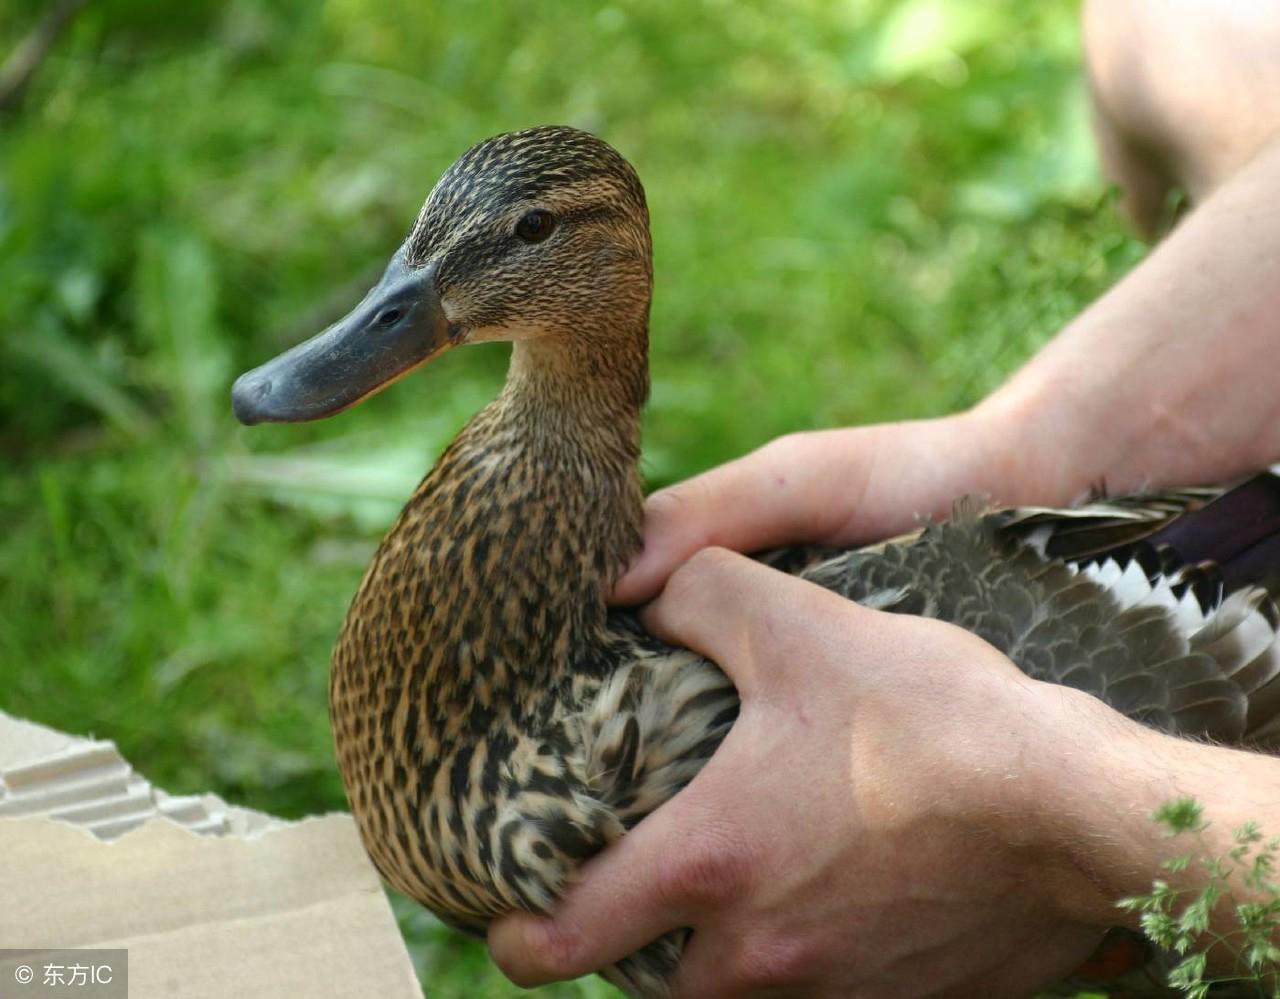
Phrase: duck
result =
(496, 723)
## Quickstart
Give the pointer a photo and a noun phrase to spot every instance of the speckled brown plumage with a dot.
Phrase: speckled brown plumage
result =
(495, 725)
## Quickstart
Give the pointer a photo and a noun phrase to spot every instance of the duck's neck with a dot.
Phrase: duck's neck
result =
(493, 579)
(564, 436)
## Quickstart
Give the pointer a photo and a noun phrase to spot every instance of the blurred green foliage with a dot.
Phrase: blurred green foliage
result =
(862, 210)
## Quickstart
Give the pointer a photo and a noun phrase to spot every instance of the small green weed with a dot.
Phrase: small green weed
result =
(1179, 919)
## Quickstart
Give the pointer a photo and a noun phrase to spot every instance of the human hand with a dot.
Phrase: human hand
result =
(840, 487)
(883, 818)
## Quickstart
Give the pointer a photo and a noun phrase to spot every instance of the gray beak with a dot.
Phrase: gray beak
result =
(399, 326)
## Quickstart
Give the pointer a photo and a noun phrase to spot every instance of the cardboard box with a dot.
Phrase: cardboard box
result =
(208, 899)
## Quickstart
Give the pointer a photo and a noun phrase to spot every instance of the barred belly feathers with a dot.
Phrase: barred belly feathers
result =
(496, 724)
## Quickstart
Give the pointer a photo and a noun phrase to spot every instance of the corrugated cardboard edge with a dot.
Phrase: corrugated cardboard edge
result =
(87, 782)
(289, 909)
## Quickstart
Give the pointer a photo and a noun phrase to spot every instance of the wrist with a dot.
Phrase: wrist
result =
(1090, 798)
(1038, 442)
(890, 476)
(974, 452)
(1091, 780)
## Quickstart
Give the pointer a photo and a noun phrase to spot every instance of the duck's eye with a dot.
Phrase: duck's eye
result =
(535, 226)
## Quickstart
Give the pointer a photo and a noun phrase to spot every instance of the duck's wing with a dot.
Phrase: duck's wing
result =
(1210, 557)
(1232, 535)
(1163, 606)
(1097, 525)
(1100, 525)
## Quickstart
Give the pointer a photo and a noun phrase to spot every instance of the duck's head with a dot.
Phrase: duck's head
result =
(539, 236)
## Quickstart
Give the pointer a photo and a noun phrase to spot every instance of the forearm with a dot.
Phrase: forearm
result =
(1097, 793)
(1173, 377)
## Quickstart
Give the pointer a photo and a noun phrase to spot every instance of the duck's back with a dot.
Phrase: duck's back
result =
(1162, 606)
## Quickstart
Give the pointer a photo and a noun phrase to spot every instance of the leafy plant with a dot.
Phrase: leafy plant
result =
(1180, 919)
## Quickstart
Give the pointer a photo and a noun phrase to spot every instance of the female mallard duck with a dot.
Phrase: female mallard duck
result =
(496, 725)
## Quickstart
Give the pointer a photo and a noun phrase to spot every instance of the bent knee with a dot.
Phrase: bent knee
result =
(1185, 92)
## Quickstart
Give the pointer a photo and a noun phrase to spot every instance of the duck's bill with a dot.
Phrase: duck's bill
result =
(399, 326)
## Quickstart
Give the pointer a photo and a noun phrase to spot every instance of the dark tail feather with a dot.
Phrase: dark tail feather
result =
(1238, 533)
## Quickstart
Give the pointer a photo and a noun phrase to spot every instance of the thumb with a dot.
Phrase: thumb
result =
(734, 610)
(623, 899)
(689, 852)
(780, 493)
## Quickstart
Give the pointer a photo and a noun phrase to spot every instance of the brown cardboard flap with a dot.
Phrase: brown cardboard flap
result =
(249, 907)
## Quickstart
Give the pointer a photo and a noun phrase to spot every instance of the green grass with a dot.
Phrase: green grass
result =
(861, 212)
